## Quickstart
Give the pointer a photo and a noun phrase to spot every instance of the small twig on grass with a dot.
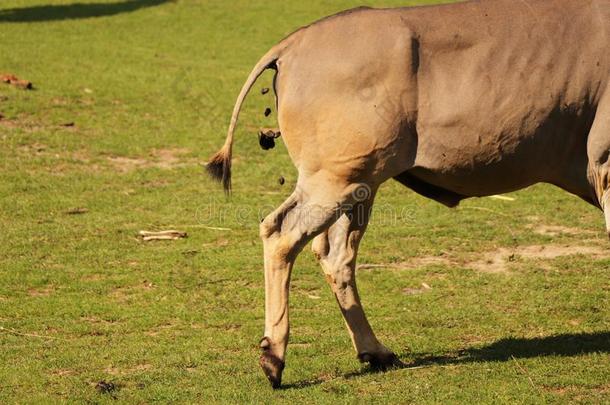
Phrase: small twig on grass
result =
(367, 266)
(524, 371)
(17, 333)
(429, 366)
(162, 235)
(501, 197)
(416, 367)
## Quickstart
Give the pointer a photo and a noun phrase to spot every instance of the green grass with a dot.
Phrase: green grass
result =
(150, 90)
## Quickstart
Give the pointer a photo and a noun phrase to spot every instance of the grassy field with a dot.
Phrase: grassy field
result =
(497, 301)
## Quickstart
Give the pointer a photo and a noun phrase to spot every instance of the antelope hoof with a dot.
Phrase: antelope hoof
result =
(381, 361)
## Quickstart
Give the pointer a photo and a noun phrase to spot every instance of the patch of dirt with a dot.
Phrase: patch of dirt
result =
(125, 294)
(571, 389)
(413, 263)
(8, 123)
(60, 101)
(154, 183)
(93, 277)
(498, 261)
(40, 292)
(22, 122)
(63, 372)
(472, 340)
(125, 164)
(116, 371)
(65, 160)
(416, 291)
(555, 230)
(96, 320)
(168, 158)
(220, 242)
(158, 158)
(229, 327)
(574, 322)
(156, 331)
(36, 148)
(557, 390)
(122, 294)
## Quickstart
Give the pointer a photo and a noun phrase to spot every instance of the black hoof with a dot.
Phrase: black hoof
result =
(272, 365)
(381, 361)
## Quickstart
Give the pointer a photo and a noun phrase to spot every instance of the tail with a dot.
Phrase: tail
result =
(219, 165)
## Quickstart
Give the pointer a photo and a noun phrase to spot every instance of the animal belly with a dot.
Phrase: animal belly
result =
(474, 168)
(482, 154)
(475, 182)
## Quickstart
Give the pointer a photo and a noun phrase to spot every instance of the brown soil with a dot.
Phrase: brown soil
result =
(555, 230)
(159, 158)
(499, 260)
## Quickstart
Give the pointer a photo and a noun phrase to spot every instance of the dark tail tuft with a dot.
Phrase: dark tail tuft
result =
(219, 168)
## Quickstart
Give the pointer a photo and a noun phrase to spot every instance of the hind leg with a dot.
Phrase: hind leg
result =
(336, 250)
(598, 151)
(316, 204)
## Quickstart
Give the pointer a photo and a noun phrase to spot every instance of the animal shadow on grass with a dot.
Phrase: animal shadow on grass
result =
(502, 350)
(74, 10)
